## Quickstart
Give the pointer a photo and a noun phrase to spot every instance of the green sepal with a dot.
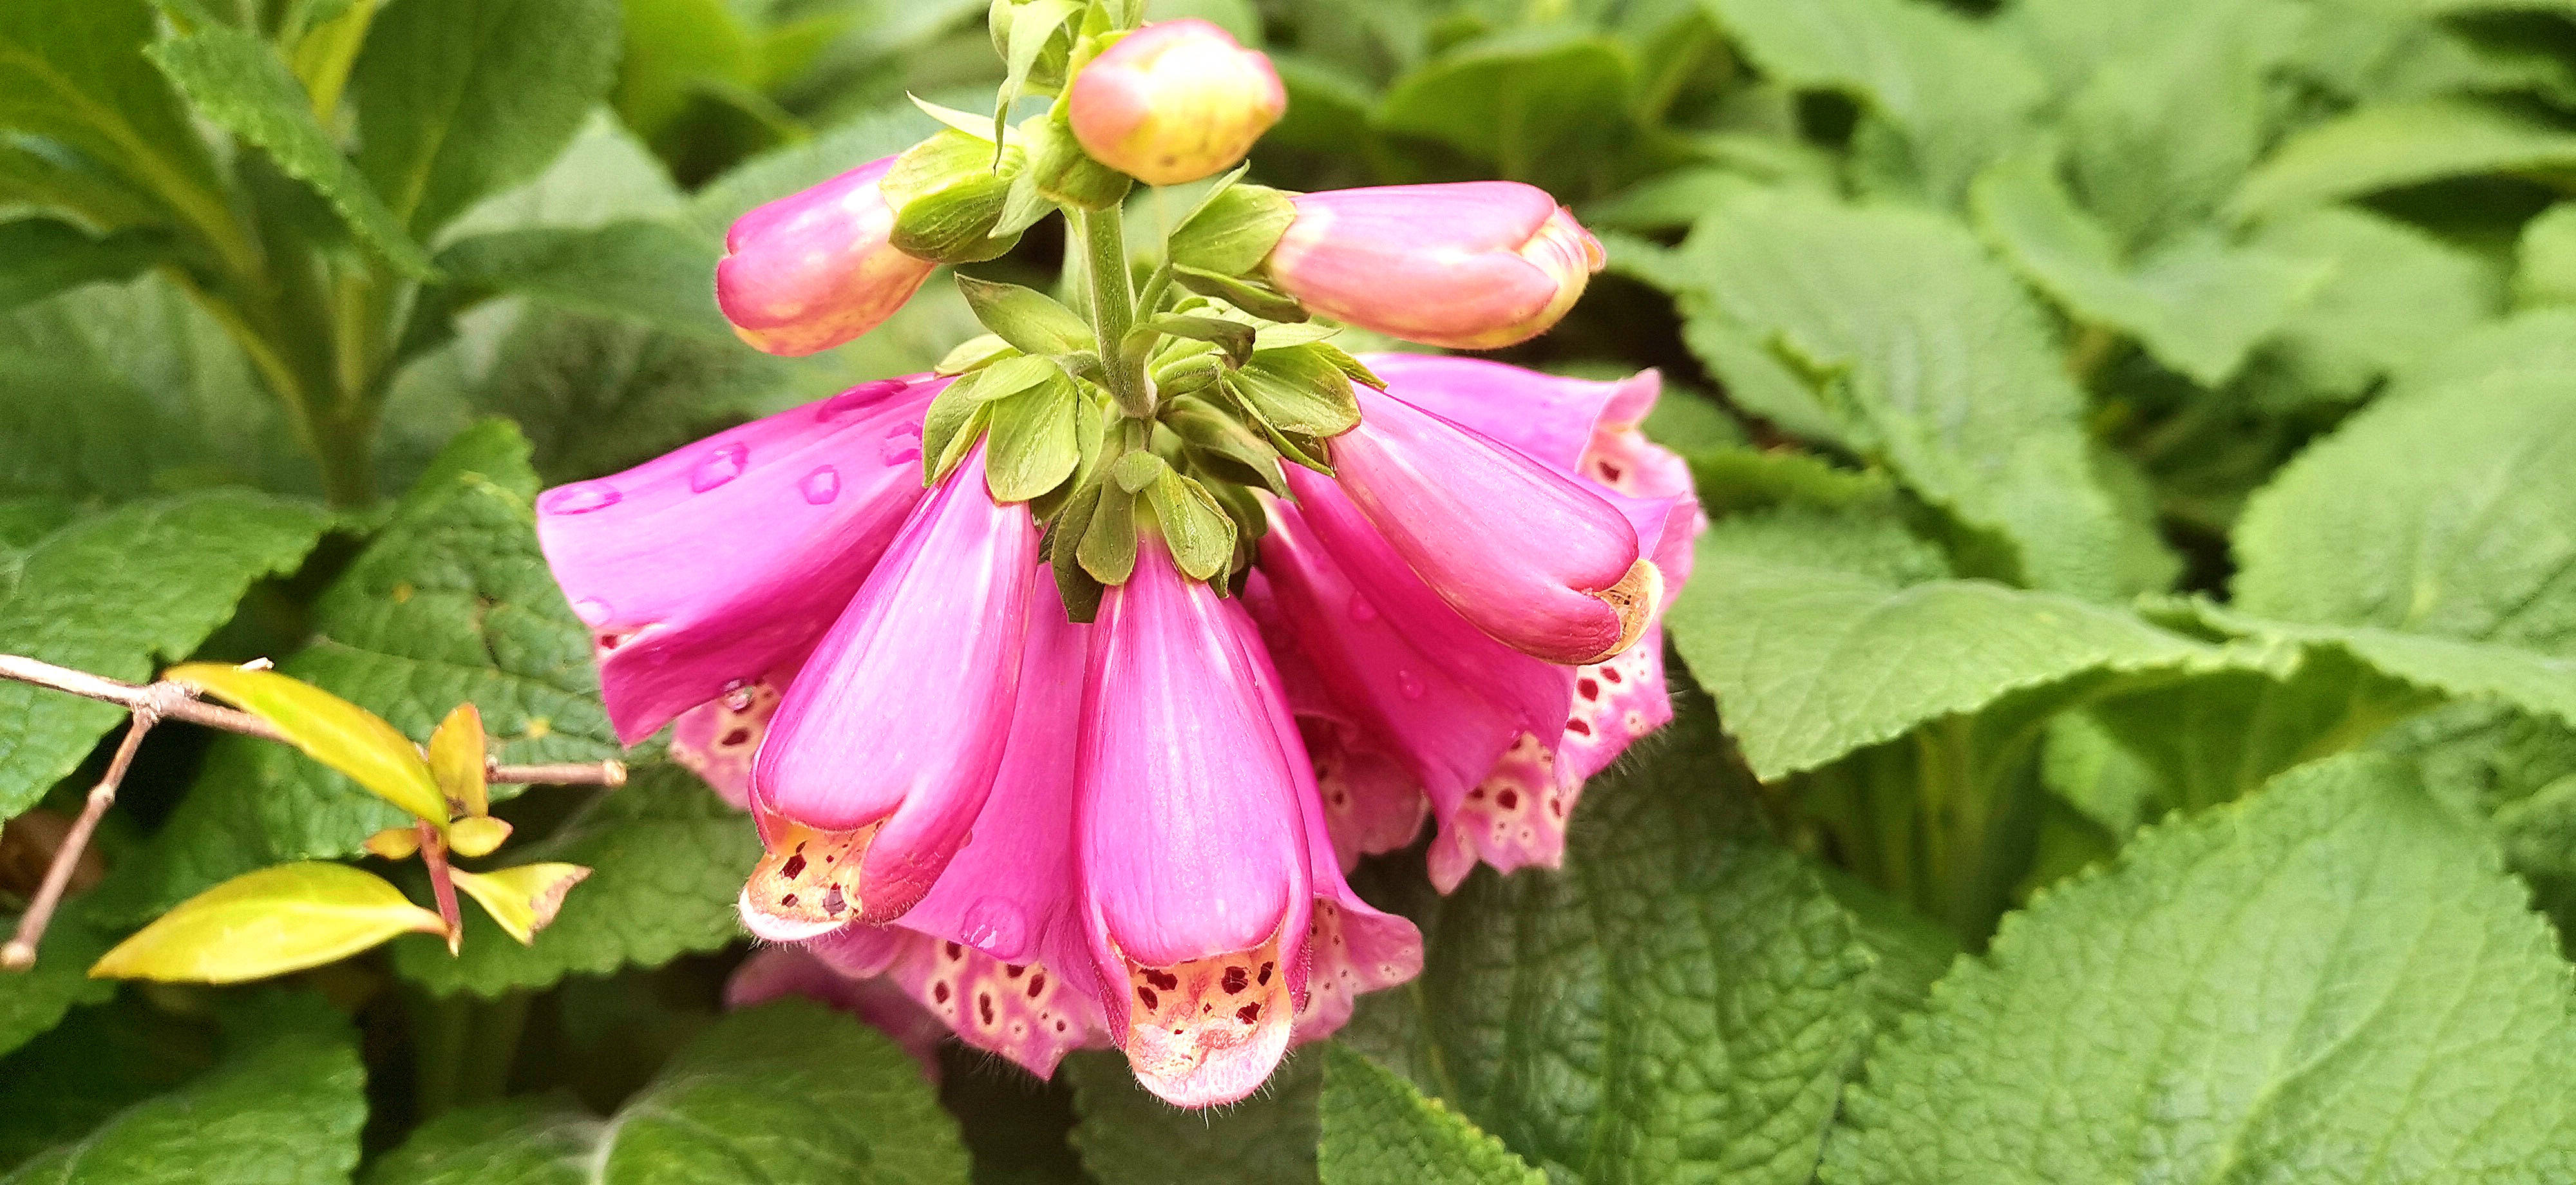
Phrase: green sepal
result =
(1035, 44)
(1233, 230)
(950, 427)
(1081, 590)
(948, 193)
(1351, 367)
(1137, 470)
(978, 126)
(1199, 531)
(1035, 443)
(1213, 435)
(1008, 377)
(1022, 206)
(1107, 549)
(1233, 337)
(1300, 389)
(1025, 317)
(1062, 172)
(1258, 299)
(1301, 448)
(1278, 337)
(975, 353)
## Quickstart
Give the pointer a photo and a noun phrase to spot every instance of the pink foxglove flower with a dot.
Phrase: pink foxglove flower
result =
(1173, 102)
(816, 268)
(1551, 569)
(1472, 266)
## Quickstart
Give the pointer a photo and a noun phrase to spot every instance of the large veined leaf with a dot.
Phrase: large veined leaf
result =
(72, 71)
(787, 1093)
(34, 1000)
(115, 593)
(1127, 1135)
(657, 272)
(287, 918)
(283, 1107)
(1379, 1130)
(1545, 105)
(2382, 147)
(2332, 980)
(2391, 294)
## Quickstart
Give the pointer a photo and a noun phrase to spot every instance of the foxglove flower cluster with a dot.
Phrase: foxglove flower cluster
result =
(1064, 686)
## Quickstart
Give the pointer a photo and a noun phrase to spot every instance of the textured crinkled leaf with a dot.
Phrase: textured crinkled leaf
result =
(72, 71)
(1378, 1130)
(34, 1000)
(1956, 94)
(1681, 1002)
(283, 1107)
(2332, 980)
(459, 99)
(604, 176)
(269, 922)
(667, 858)
(236, 80)
(2197, 303)
(2392, 294)
(1546, 104)
(2536, 682)
(328, 729)
(655, 272)
(789, 1093)
(2383, 147)
(1909, 952)
(1813, 662)
(112, 594)
(2165, 125)
(1129, 1136)
(451, 603)
(1927, 353)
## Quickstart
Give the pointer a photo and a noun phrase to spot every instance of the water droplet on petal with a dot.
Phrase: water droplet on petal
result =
(901, 444)
(1361, 610)
(821, 486)
(581, 497)
(591, 611)
(842, 405)
(995, 924)
(1408, 683)
(721, 466)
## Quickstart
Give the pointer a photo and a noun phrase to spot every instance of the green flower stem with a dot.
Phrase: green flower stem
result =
(1113, 308)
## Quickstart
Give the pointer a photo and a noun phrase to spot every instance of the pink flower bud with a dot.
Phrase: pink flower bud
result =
(1174, 102)
(1471, 266)
(814, 269)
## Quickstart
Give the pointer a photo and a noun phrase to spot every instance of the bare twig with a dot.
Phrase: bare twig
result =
(442, 887)
(20, 953)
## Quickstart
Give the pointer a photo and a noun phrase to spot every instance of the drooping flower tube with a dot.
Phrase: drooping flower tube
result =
(1473, 265)
(1174, 102)
(814, 269)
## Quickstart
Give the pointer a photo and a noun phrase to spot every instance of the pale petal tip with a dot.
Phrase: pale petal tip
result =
(1635, 598)
(806, 883)
(1209, 1031)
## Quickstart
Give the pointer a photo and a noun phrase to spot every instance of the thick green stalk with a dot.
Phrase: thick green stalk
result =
(1113, 308)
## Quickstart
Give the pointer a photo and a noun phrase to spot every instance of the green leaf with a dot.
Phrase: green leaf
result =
(880, 132)
(451, 603)
(2392, 294)
(1028, 319)
(1297, 389)
(2197, 303)
(2332, 980)
(655, 272)
(521, 899)
(2545, 267)
(1546, 105)
(34, 1000)
(1922, 351)
(268, 922)
(1909, 951)
(1033, 446)
(72, 71)
(41, 256)
(457, 99)
(604, 176)
(115, 593)
(1813, 662)
(98, 1062)
(328, 729)
(283, 1107)
(1953, 95)
(787, 1092)
(2168, 123)
(2383, 147)
(1129, 1136)
(1681, 1002)
(1233, 231)
(667, 858)
(458, 755)
(236, 80)
(1378, 1130)
(1200, 534)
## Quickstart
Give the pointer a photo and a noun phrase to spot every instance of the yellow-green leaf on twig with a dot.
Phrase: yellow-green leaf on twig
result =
(476, 835)
(522, 899)
(456, 757)
(329, 729)
(268, 922)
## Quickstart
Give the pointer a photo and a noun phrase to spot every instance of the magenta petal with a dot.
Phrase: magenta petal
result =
(900, 718)
(1527, 554)
(1474, 265)
(703, 570)
(1027, 1012)
(816, 268)
(1547, 417)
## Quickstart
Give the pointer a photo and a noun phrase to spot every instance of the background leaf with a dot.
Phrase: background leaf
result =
(1378, 1130)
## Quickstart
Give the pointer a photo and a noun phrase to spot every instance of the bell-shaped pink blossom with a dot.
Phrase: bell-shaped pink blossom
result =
(702, 572)
(816, 268)
(1526, 553)
(1174, 102)
(1471, 266)
(1197, 889)
(884, 748)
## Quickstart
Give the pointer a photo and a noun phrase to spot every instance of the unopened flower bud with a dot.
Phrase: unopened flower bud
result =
(815, 268)
(1471, 266)
(948, 193)
(1174, 102)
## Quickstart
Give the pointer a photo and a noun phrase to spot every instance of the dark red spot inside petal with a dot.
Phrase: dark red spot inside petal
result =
(1037, 985)
(789, 899)
(1059, 1026)
(1014, 970)
(1589, 688)
(984, 1006)
(1476, 795)
(1265, 972)
(795, 867)
(1578, 728)
(955, 951)
(736, 738)
(939, 992)
(1508, 800)
(1612, 674)
(1162, 979)
(1147, 995)
(1248, 1014)
(1236, 979)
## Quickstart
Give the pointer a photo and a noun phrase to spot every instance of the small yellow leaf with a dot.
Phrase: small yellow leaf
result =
(476, 835)
(395, 843)
(329, 729)
(456, 756)
(268, 922)
(522, 899)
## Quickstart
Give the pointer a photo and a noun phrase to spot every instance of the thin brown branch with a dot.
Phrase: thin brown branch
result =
(442, 886)
(20, 953)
